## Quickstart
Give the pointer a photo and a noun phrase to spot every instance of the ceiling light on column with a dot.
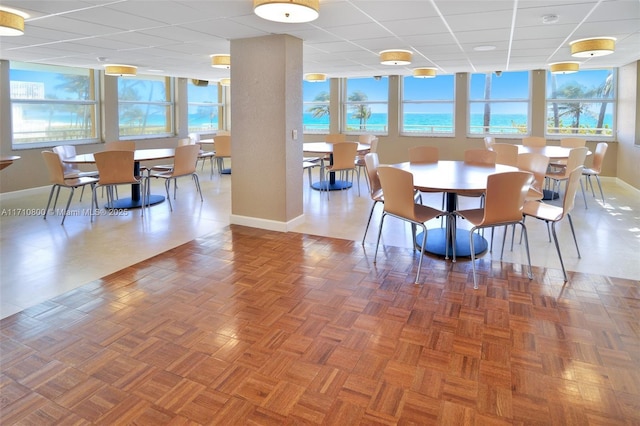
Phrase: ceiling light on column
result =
(221, 61)
(290, 11)
(11, 22)
(120, 70)
(225, 82)
(316, 77)
(396, 57)
(424, 72)
(564, 67)
(590, 47)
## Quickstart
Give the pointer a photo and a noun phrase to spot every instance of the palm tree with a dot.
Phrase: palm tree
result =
(487, 106)
(320, 110)
(360, 111)
(605, 91)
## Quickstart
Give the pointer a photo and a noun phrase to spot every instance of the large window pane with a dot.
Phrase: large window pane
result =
(315, 116)
(366, 105)
(499, 105)
(52, 105)
(581, 103)
(145, 106)
(204, 107)
(428, 105)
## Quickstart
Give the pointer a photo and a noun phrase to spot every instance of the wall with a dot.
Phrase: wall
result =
(628, 153)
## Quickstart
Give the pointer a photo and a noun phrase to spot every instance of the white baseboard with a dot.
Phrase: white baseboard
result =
(6, 196)
(270, 225)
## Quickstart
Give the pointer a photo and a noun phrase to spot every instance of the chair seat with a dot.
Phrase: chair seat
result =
(543, 211)
(590, 172)
(473, 216)
(422, 213)
(75, 175)
(534, 195)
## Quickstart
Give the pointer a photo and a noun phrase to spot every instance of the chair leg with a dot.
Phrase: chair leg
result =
(583, 196)
(555, 239)
(369, 221)
(573, 232)
(526, 245)
(600, 187)
(197, 181)
(424, 243)
(166, 188)
(473, 258)
(53, 187)
(64, 214)
(379, 235)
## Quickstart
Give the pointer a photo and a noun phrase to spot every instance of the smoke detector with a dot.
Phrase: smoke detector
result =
(550, 19)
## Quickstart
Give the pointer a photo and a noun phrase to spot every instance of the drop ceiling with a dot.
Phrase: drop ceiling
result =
(177, 37)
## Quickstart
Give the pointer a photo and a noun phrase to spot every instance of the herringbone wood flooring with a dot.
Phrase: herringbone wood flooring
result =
(248, 326)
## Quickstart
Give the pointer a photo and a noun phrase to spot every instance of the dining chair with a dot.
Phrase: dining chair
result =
(343, 161)
(185, 164)
(58, 180)
(506, 153)
(364, 139)
(399, 202)
(503, 205)
(120, 146)
(560, 163)
(308, 166)
(222, 151)
(115, 168)
(535, 141)
(372, 162)
(424, 154)
(576, 158)
(552, 214)
(203, 155)
(70, 171)
(478, 157)
(595, 170)
(166, 167)
(335, 137)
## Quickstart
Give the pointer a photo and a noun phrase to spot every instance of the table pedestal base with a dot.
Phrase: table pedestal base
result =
(338, 185)
(549, 195)
(436, 242)
(129, 203)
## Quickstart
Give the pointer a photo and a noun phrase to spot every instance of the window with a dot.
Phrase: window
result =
(145, 106)
(52, 105)
(499, 105)
(204, 106)
(315, 117)
(581, 103)
(428, 105)
(366, 105)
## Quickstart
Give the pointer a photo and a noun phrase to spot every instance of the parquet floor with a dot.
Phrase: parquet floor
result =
(247, 326)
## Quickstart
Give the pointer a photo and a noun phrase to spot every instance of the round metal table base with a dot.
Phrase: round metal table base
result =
(436, 242)
(128, 203)
(338, 185)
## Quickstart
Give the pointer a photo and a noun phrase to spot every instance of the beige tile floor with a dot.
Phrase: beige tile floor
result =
(41, 259)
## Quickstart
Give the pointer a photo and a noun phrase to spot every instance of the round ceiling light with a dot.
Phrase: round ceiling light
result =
(222, 60)
(11, 22)
(424, 72)
(591, 47)
(564, 67)
(396, 57)
(120, 70)
(316, 77)
(288, 11)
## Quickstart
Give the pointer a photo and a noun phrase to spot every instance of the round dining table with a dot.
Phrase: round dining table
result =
(139, 155)
(326, 148)
(451, 177)
(7, 160)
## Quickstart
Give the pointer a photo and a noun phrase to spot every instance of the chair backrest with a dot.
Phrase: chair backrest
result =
(480, 156)
(488, 142)
(576, 158)
(423, 154)
(223, 145)
(506, 153)
(366, 138)
(120, 146)
(397, 187)
(185, 159)
(534, 141)
(115, 167)
(66, 151)
(374, 145)
(344, 155)
(598, 156)
(371, 165)
(335, 137)
(54, 167)
(537, 165)
(570, 192)
(505, 197)
(573, 142)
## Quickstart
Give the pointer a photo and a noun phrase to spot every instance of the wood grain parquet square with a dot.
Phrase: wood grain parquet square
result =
(248, 326)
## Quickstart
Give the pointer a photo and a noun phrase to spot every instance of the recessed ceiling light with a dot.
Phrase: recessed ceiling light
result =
(484, 48)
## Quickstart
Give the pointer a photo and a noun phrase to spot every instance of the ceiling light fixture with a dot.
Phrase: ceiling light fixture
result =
(316, 77)
(225, 82)
(221, 61)
(396, 57)
(120, 70)
(290, 11)
(484, 48)
(591, 47)
(424, 72)
(564, 67)
(11, 22)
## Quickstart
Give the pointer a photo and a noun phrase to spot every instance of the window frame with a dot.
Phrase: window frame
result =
(346, 105)
(170, 112)
(404, 103)
(59, 104)
(218, 104)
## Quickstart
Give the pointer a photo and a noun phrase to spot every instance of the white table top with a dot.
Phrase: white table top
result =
(451, 176)
(327, 147)
(138, 155)
(551, 151)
